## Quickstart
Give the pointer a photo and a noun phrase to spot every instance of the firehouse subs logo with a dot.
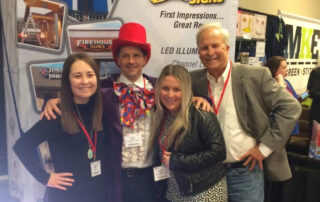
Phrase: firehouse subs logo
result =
(94, 44)
(192, 2)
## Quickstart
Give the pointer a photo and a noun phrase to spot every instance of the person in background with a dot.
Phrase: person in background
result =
(189, 141)
(243, 98)
(314, 91)
(76, 140)
(128, 104)
(279, 71)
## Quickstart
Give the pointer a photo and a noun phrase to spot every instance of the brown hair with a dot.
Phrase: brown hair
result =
(67, 104)
(274, 63)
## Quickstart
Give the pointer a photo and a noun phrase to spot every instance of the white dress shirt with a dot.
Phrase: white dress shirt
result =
(237, 141)
(137, 157)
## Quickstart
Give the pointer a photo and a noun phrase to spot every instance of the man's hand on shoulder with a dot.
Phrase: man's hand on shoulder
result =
(200, 101)
(50, 108)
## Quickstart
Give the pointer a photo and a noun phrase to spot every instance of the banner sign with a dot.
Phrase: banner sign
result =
(40, 35)
(172, 26)
(303, 48)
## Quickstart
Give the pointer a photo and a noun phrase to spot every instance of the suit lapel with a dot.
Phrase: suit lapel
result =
(201, 84)
(239, 95)
(111, 108)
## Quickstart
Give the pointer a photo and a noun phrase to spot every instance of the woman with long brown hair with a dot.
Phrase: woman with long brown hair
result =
(76, 140)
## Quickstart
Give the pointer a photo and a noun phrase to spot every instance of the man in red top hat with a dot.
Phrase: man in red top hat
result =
(128, 105)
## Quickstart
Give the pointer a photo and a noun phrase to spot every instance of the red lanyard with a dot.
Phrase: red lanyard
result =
(216, 108)
(93, 147)
(164, 146)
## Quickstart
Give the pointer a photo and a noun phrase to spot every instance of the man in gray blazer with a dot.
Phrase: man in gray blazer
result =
(243, 98)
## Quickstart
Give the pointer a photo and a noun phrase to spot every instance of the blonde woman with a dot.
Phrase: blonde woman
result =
(189, 141)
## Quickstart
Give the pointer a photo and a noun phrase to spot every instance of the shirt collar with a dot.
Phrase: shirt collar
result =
(224, 75)
(138, 82)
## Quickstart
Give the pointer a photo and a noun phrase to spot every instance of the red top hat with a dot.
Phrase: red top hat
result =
(131, 34)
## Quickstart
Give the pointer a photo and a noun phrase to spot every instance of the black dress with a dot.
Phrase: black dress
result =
(69, 154)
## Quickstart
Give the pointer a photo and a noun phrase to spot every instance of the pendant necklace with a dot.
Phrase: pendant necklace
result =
(92, 146)
(90, 152)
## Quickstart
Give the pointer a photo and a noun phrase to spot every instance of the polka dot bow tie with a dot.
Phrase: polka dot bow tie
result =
(134, 102)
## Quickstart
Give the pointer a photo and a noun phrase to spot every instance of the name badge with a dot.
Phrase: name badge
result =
(161, 173)
(133, 140)
(95, 168)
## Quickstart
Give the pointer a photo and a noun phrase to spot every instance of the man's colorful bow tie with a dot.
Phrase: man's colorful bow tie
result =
(134, 102)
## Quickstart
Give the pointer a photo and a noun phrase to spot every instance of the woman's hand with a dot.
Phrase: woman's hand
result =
(50, 108)
(198, 101)
(60, 180)
(166, 158)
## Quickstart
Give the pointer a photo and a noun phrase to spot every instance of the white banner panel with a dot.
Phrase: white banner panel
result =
(172, 26)
(303, 48)
(39, 36)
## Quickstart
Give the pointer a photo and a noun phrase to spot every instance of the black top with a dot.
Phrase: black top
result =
(197, 162)
(69, 154)
(314, 91)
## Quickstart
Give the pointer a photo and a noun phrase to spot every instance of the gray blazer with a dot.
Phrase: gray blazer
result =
(256, 95)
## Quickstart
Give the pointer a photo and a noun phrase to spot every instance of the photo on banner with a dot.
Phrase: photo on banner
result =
(95, 39)
(45, 81)
(39, 24)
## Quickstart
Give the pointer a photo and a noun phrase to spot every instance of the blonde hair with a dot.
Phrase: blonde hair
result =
(217, 26)
(179, 128)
